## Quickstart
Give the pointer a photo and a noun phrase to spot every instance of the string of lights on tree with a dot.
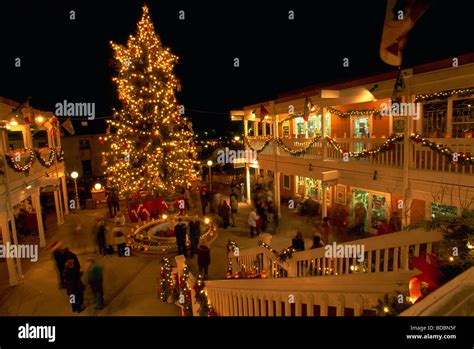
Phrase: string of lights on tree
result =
(202, 298)
(464, 92)
(168, 285)
(34, 155)
(151, 143)
(185, 292)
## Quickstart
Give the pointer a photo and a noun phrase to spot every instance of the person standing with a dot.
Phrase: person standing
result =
(59, 257)
(252, 221)
(204, 259)
(326, 229)
(119, 240)
(95, 280)
(100, 235)
(194, 234)
(298, 242)
(180, 234)
(110, 203)
(234, 205)
(74, 286)
(116, 201)
(225, 214)
(71, 255)
(204, 199)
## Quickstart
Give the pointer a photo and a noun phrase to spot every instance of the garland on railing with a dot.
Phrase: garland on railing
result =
(34, 154)
(282, 256)
(202, 299)
(455, 157)
(349, 113)
(185, 292)
(168, 285)
(231, 246)
(297, 152)
(267, 141)
(387, 145)
(463, 92)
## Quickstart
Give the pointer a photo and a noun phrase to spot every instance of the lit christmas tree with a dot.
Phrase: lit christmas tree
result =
(151, 145)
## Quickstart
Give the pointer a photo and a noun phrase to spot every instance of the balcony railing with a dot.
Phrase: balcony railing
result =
(420, 158)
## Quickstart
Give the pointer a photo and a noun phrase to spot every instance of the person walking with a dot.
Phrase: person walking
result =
(74, 286)
(95, 281)
(194, 234)
(234, 206)
(204, 259)
(204, 195)
(252, 221)
(180, 234)
(119, 240)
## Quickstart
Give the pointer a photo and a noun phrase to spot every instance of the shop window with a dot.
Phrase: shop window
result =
(435, 116)
(463, 118)
(309, 187)
(443, 211)
(286, 182)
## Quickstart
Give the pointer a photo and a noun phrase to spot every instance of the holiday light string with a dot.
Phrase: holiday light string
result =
(358, 112)
(265, 144)
(296, 152)
(202, 298)
(168, 285)
(34, 154)
(464, 92)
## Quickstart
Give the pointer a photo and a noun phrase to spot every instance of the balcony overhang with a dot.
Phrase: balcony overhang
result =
(346, 96)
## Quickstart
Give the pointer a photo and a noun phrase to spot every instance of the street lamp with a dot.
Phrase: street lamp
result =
(209, 164)
(74, 176)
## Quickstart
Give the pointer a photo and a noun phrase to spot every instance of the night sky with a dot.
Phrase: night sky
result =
(65, 59)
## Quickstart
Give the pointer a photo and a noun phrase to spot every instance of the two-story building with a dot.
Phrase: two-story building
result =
(32, 165)
(348, 147)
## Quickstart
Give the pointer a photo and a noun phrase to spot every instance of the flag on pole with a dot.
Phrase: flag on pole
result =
(308, 107)
(400, 17)
(68, 126)
(263, 112)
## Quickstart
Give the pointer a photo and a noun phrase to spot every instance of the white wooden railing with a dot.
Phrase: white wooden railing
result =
(386, 253)
(348, 295)
(421, 158)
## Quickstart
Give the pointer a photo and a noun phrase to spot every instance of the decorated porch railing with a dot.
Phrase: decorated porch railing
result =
(347, 295)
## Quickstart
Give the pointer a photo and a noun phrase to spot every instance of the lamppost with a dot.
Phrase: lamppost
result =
(74, 176)
(209, 164)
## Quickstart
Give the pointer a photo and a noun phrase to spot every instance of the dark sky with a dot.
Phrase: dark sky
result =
(64, 59)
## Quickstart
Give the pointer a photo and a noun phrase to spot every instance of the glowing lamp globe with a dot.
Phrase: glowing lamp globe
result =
(74, 175)
(207, 220)
(97, 186)
(209, 163)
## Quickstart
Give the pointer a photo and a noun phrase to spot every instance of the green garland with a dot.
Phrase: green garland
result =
(202, 299)
(297, 152)
(34, 154)
(282, 256)
(392, 305)
(267, 141)
(168, 286)
(185, 291)
(465, 92)
(345, 115)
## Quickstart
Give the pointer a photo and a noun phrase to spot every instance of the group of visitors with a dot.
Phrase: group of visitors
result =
(319, 238)
(70, 275)
(117, 232)
(201, 250)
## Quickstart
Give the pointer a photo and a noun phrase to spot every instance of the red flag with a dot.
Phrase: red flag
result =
(400, 17)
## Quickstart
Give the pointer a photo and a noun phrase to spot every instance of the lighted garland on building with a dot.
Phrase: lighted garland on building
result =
(168, 285)
(202, 298)
(267, 141)
(387, 145)
(185, 291)
(296, 152)
(349, 113)
(282, 256)
(33, 155)
(464, 92)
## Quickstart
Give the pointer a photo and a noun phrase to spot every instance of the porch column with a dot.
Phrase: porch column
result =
(11, 217)
(57, 205)
(264, 128)
(64, 192)
(39, 218)
(323, 133)
(255, 128)
(247, 182)
(406, 155)
(12, 273)
(27, 139)
(276, 173)
(324, 207)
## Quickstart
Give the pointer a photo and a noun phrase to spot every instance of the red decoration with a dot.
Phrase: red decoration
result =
(430, 272)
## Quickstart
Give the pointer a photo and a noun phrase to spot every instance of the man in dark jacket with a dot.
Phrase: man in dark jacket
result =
(60, 259)
(204, 259)
(180, 234)
(74, 286)
(71, 255)
(194, 234)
